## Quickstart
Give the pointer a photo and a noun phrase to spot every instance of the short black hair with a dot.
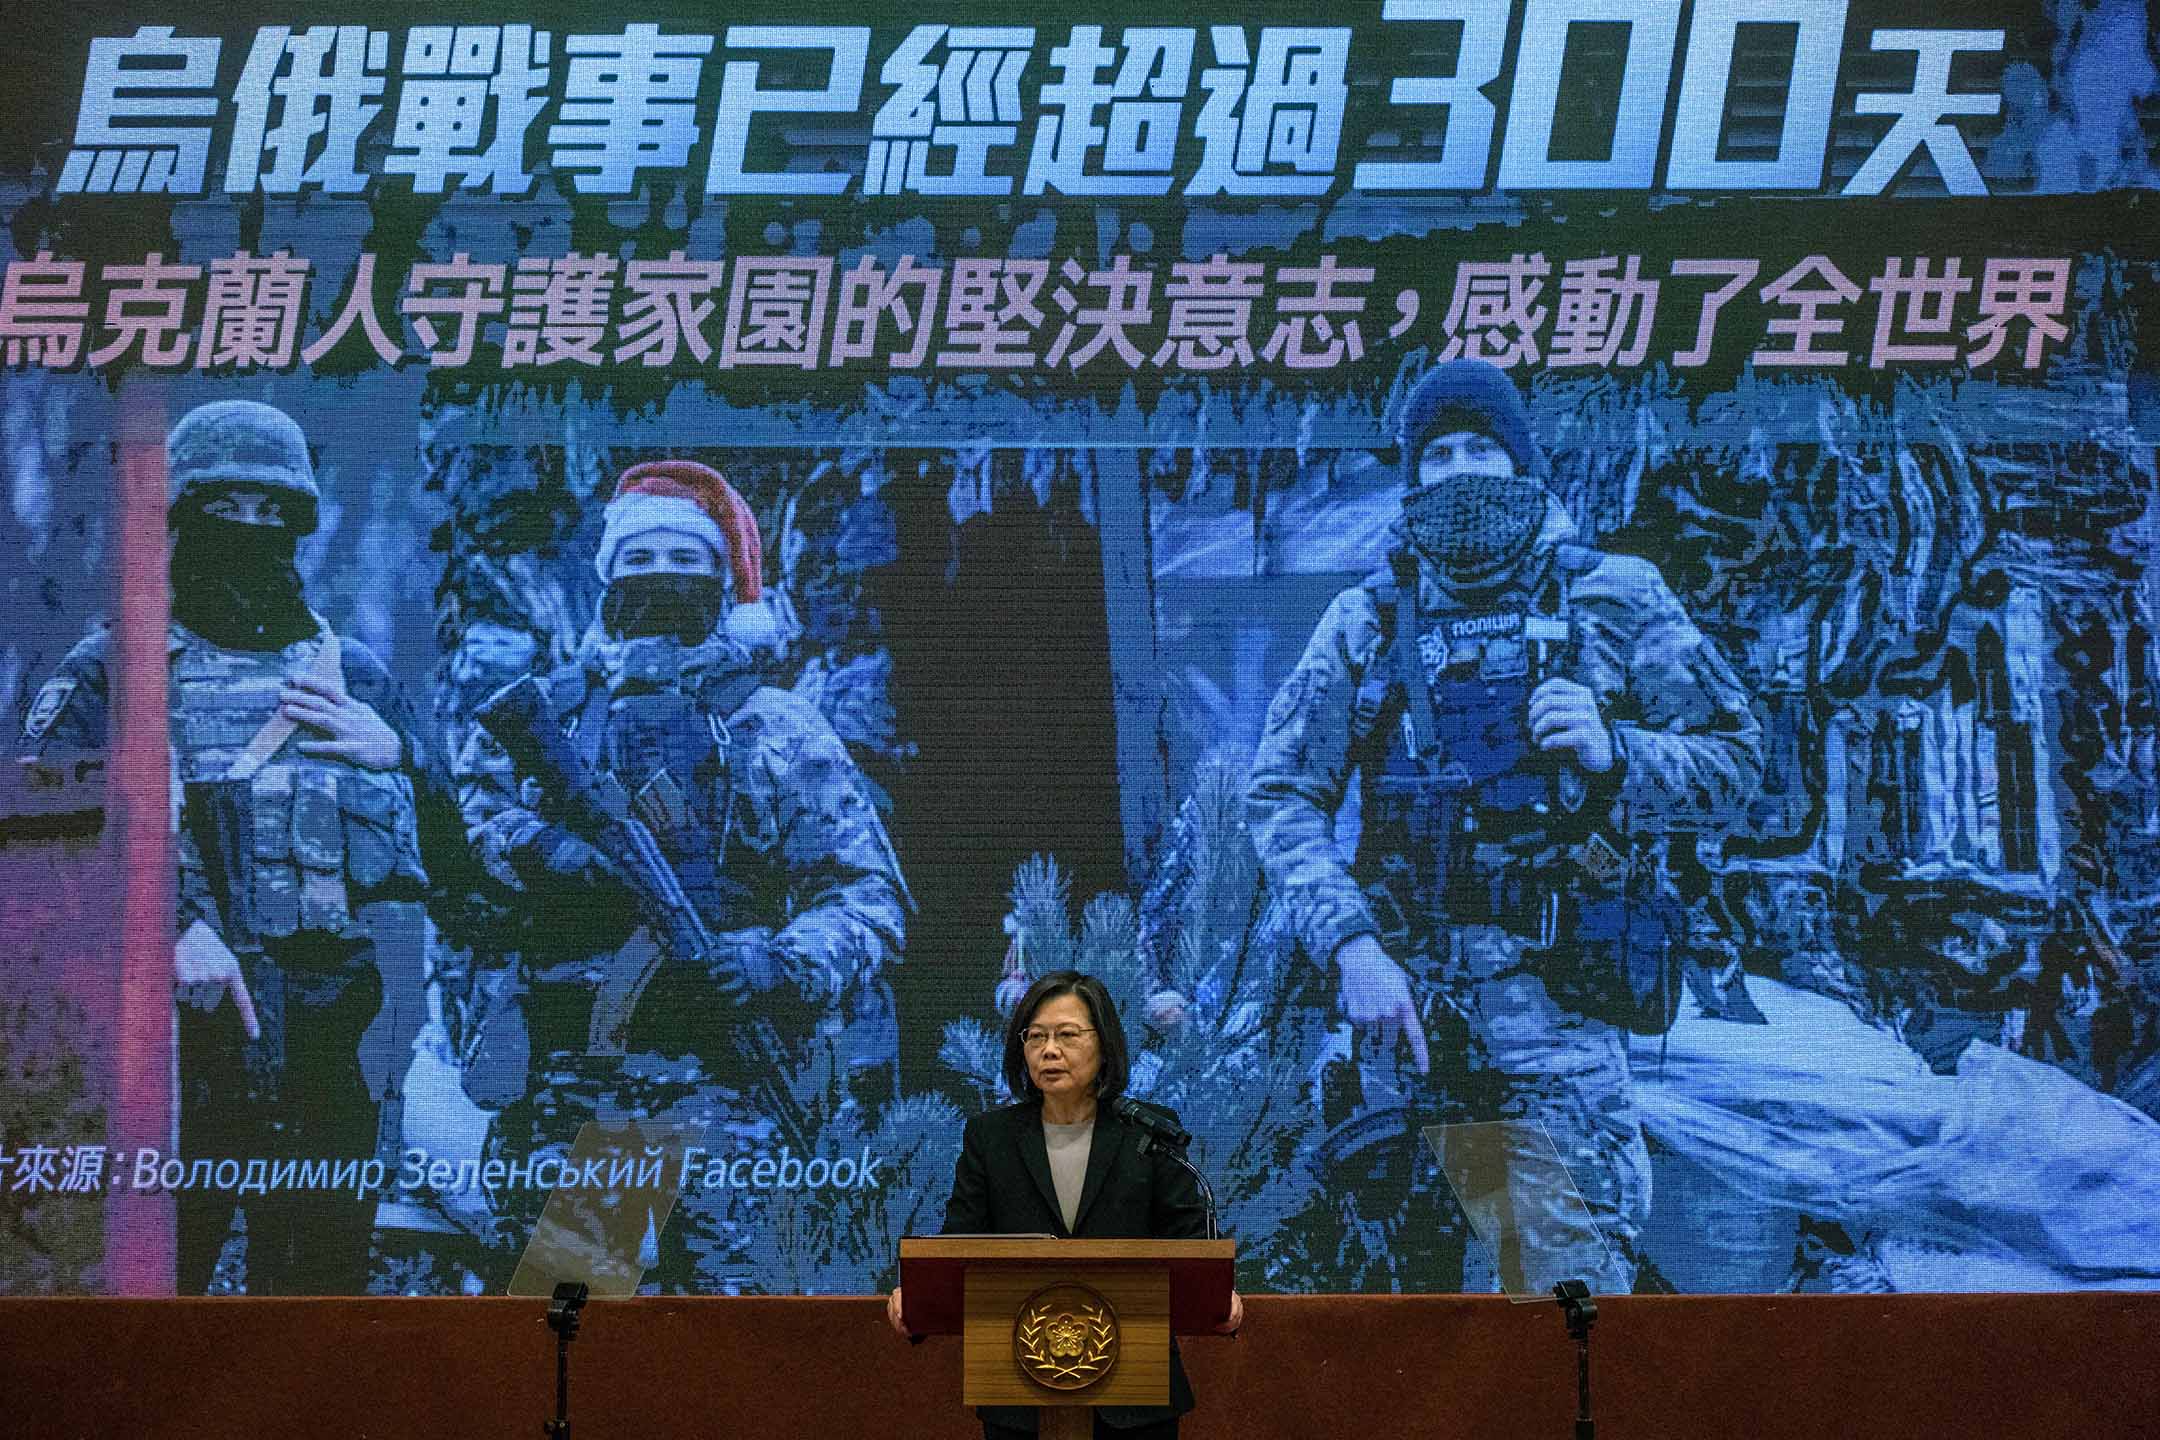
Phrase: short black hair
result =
(1109, 1033)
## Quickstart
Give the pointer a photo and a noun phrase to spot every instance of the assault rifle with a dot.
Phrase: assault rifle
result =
(599, 811)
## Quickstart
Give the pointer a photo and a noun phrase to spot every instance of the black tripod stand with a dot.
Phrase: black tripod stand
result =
(1580, 1312)
(562, 1318)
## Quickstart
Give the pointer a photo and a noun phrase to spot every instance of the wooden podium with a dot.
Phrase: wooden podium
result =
(1066, 1325)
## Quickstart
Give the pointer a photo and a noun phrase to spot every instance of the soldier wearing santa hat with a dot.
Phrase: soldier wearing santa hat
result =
(762, 816)
(676, 538)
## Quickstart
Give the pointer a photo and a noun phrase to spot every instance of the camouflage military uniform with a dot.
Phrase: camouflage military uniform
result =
(321, 902)
(766, 821)
(1470, 914)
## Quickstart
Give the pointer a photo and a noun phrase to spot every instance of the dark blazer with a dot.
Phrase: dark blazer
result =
(1002, 1186)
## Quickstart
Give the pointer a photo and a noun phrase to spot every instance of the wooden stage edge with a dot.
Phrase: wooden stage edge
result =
(1904, 1366)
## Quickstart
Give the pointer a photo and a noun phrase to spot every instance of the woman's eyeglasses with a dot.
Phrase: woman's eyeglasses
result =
(1067, 1036)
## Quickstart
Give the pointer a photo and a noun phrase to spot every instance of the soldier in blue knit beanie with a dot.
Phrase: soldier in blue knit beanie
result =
(1531, 721)
(1472, 500)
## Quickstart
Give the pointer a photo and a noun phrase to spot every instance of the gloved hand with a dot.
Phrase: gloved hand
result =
(747, 964)
(579, 886)
(566, 857)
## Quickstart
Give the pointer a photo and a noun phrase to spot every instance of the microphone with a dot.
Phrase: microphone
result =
(1164, 1132)
(1161, 1126)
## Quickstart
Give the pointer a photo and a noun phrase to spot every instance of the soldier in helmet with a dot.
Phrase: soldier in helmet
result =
(1531, 721)
(299, 947)
(764, 821)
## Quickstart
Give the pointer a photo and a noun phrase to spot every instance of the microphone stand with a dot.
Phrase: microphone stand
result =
(1580, 1312)
(1172, 1142)
(562, 1318)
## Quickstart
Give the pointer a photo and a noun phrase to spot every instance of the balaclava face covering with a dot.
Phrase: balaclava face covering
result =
(237, 584)
(665, 604)
(1474, 528)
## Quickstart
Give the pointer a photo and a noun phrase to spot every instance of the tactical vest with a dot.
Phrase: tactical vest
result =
(668, 746)
(1466, 822)
(315, 839)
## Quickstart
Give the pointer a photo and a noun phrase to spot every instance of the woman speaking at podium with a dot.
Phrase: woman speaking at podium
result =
(1062, 1162)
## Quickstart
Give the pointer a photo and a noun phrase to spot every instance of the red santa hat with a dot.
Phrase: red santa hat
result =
(691, 498)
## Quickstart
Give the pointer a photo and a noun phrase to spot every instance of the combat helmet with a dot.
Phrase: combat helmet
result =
(242, 442)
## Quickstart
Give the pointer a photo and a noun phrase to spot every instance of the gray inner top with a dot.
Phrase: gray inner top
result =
(1068, 1147)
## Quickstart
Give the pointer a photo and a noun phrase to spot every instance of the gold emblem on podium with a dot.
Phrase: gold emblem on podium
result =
(1066, 1337)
